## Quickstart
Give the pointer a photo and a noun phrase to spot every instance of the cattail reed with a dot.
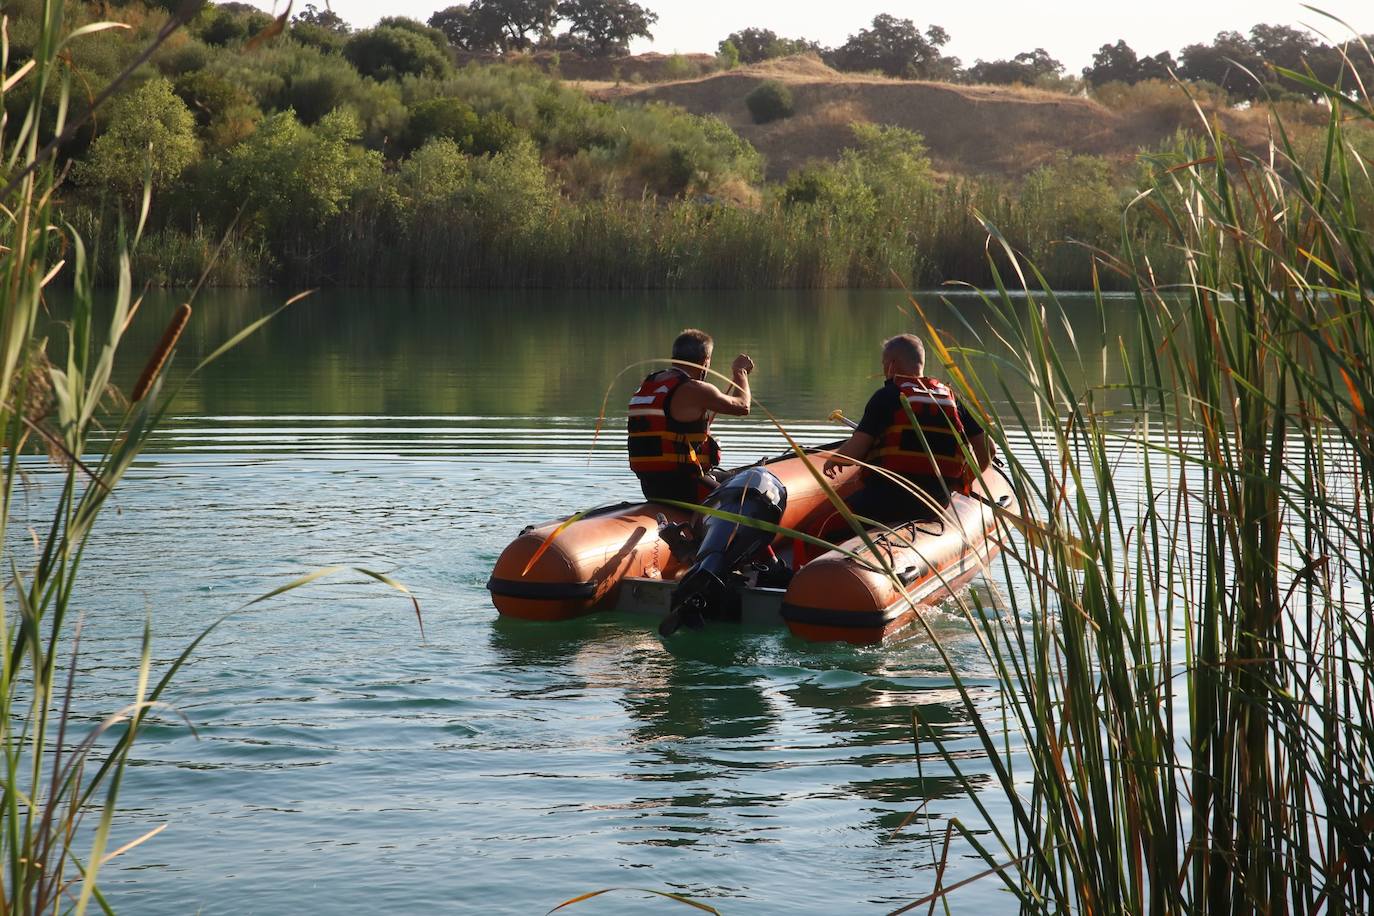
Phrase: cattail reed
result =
(170, 336)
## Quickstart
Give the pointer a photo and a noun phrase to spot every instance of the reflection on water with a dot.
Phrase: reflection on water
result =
(499, 766)
(475, 355)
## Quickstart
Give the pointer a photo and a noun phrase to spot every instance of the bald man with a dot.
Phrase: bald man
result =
(932, 456)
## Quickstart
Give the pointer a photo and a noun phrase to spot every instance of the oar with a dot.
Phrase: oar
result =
(1031, 530)
(837, 416)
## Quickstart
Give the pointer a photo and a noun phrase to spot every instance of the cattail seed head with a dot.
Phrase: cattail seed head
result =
(163, 350)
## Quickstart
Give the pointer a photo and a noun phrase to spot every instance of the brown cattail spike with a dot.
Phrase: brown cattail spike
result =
(164, 348)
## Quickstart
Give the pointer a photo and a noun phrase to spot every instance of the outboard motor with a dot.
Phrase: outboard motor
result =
(709, 590)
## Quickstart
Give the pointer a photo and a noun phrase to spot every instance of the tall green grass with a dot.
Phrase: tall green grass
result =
(654, 243)
(1186, 656)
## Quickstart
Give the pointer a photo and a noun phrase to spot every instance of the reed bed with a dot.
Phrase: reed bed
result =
(1185, 653)
(657, 243)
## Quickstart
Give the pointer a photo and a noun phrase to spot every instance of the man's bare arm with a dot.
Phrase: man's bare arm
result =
(696, 398)
(857, 446)
(703, 396)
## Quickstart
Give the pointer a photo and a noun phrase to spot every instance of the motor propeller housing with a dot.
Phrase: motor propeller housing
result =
(709, 589)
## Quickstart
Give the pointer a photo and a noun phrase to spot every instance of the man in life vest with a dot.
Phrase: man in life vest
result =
(941, 454)
(670, 444)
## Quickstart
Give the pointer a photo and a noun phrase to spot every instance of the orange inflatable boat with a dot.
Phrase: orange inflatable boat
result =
(649, 558)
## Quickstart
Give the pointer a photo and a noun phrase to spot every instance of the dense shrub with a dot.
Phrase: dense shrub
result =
(678, 67)
(451, 119)
(224, 113)
(313, 83)
(308, 34)
(216, 25)
(291, 178)
(510, 190)
(149, 133)
(429, 33)
(388, 52)
(1159, 95)
(434, 174)
(769, 101)
(501, 174)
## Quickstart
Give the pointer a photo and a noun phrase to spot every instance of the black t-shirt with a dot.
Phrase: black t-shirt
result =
(885, 403)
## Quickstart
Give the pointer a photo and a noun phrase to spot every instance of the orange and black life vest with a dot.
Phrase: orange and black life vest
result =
(934, 448)
(657, 442)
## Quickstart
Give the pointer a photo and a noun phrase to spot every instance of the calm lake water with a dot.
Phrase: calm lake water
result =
(340, 763)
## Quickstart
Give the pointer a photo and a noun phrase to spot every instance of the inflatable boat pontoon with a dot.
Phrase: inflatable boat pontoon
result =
(651, 558)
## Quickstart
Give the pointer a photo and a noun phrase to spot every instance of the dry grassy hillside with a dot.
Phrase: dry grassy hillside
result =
(996, 130)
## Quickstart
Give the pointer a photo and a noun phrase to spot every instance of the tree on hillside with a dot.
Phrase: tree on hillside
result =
(387, 52)
(325, 19)
(1229, 62)
(1161, 66)
(477, 30)
(228, 23)
(1282, 45)
(1116, 63)
(1291, 49)
(605, 27)
(1028, 68)
(485, 25)
(897, 48)
(755, 45)
(427, 32)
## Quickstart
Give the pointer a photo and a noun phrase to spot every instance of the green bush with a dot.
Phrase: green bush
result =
(224, 113)
(308, 34)
(216, 25)
(313, 83)
(292, 178)
(442, 119)
(677, 67)
(727, 58)
(189, 58)
(429, 33)
(434, 174)
(511, 189)
(389, 52)
(149, 131)
(451, 119)
(769, 101)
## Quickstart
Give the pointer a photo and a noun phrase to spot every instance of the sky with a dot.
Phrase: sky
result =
(1070, 30)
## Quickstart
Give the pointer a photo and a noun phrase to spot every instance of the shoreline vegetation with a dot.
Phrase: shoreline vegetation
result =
(306, 153)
